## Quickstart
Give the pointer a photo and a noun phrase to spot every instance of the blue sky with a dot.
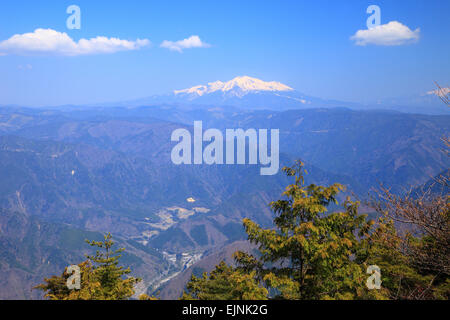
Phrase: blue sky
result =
(304, 44)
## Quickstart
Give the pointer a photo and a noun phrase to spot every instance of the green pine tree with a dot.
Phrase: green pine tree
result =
(311, 254)
(225, 283)
(101, 277)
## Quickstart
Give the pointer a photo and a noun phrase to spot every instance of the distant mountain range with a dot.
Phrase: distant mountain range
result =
(250, 93)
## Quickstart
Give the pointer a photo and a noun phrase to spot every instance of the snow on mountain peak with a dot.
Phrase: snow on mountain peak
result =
(239, 86)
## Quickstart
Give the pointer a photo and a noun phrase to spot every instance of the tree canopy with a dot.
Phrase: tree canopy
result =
(101, 277)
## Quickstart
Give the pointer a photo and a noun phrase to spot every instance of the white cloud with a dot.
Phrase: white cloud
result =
(48, 41)
(391, 34)
(191, 42)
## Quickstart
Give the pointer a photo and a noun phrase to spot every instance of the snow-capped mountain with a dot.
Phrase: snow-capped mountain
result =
(238, 87)
(242, 92)
(250, 93)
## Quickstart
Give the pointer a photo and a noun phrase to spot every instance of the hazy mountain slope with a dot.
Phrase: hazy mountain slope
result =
(124, 166)
(400, 150)
(104, 190)
(438, 185)
(370, 146)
